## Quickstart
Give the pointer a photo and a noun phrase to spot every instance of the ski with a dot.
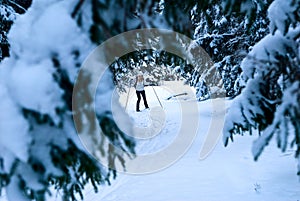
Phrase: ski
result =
(176, 95)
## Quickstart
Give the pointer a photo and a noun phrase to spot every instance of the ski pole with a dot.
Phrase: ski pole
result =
(127, 98)
(157, 97)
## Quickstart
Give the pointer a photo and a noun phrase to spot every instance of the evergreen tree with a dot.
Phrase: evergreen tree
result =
(228, 38)
(40, 148)
(157, 66)
(270, 100)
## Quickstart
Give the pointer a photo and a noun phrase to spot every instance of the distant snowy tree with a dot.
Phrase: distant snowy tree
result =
(156, 66)
(132, 15)
(228, 38)
(8, 11)
(7, 16)
(20, 6)
(270, 101)
(39, 146)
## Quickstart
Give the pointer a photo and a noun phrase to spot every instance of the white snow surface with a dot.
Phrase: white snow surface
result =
(227, 174)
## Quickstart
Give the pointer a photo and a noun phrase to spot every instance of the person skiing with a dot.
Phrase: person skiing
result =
(139, 87)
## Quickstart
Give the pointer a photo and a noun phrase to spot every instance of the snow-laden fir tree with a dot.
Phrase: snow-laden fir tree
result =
(156, 66)
(270, 101)
(228, 38)
(40, 148)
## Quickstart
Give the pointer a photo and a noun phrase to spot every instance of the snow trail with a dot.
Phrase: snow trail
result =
(227, 174)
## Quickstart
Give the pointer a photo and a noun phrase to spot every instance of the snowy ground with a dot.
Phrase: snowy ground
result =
(227, 174)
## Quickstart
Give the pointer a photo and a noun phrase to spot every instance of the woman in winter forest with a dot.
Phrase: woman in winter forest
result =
(139, 87)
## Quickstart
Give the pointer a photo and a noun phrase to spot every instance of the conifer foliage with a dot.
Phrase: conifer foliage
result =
(270, 73)
(40, 148)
